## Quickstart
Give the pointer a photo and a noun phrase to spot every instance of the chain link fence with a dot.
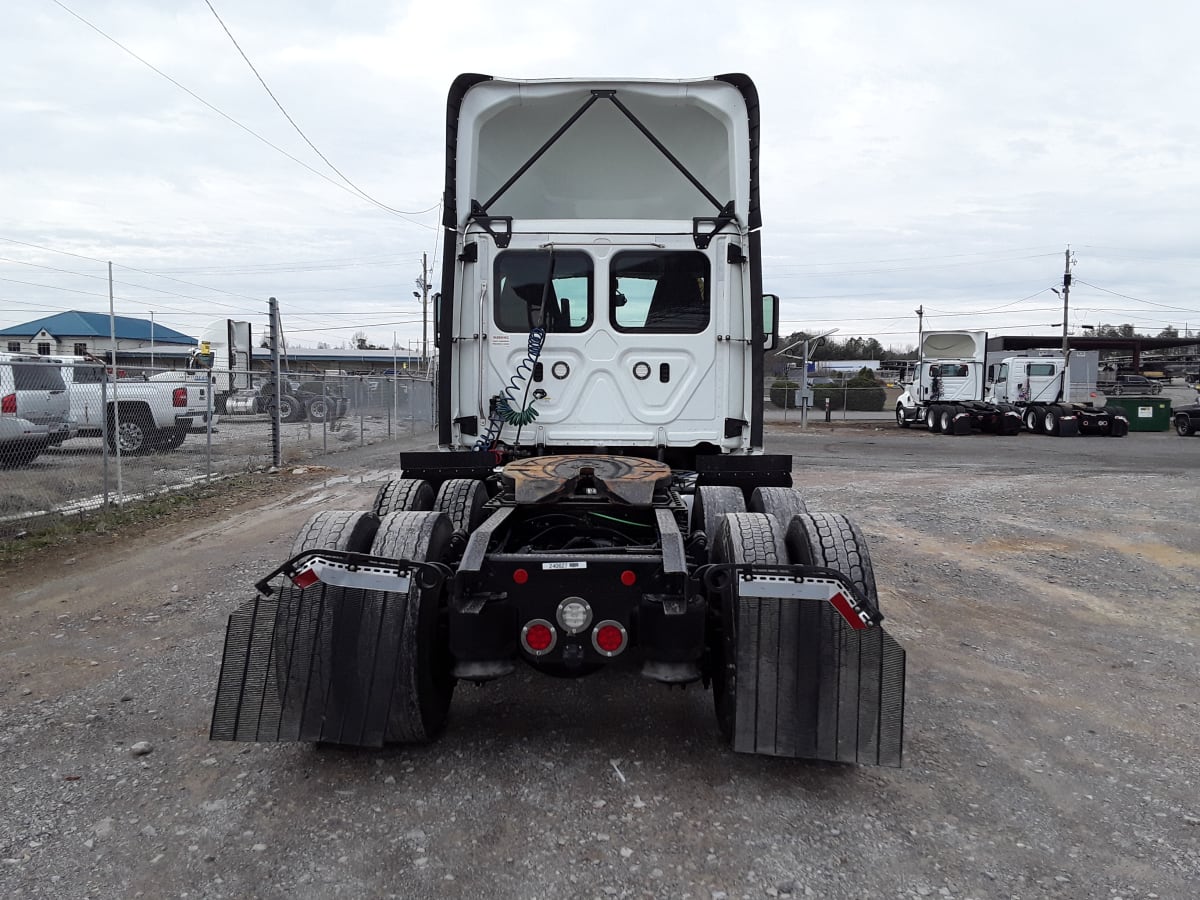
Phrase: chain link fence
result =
(75, 439)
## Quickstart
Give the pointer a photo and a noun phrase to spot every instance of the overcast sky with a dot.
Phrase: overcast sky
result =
(938, 154)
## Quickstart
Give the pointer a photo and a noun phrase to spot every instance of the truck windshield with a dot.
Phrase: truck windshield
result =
(661, 292)
(520, 284)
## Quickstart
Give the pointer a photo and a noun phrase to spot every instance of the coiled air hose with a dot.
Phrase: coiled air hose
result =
(506, 410)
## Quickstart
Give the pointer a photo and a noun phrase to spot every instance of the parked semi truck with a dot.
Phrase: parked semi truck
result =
(601, 494)
(952, 391)
(1040, 388)
(222, 356)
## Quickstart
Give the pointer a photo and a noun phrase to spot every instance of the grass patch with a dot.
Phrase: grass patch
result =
(19, 541)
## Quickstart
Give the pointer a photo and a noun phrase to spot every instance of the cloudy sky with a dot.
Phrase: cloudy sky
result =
(938, 154)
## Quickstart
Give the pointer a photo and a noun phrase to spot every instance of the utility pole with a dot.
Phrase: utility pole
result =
(1066, 294)
(423, 284)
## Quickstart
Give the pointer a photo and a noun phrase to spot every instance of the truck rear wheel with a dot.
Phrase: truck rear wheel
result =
(781, 502)
(318, 409)
(404, 494)
(834, 542)
(1033, 419)
(290, 409)
(297, 660)
(135, 432)
(462, 500)
(422, 683)
(933, 418)
(1050, 421)
(946, 419)
(711, 504)
(740, 538)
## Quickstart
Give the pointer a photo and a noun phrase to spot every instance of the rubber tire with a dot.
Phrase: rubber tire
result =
(318, 409)
(1183, 426)
(404, 495)
(933, 416)
(170, 439)
(290, 409)
(781, 502)
(741, 538)
(462, 500)
(833, 541)
(337, 529)
(900, 420)
(1032, 420)
(331, 529)
(946, 419)
(1050, 420)
(136, 431)
(711, 504)
(424, 684)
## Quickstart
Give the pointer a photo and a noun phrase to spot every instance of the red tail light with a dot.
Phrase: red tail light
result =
(538, 637)
(609, 638)
(8, 405)
(179, 397)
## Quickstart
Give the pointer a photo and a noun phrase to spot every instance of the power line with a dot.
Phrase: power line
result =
(1135, 299)
(292, 121)
(244, 128)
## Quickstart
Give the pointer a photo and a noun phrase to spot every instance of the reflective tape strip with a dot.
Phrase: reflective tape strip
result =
(783, 587)
(338, 574)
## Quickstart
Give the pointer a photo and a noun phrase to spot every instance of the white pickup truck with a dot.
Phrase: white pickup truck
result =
(147, 416)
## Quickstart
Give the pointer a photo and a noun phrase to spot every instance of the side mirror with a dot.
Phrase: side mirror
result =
(770, 320)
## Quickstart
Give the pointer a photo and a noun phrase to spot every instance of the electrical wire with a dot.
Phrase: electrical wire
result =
(297, 128)
(234, 121)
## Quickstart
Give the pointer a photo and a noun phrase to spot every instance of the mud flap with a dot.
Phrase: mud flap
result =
(1068, 426)
(811, 686)
(961, 424)
(316, 664)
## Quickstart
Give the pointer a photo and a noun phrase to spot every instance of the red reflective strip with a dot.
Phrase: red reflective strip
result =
(305, 578)
(842, 604)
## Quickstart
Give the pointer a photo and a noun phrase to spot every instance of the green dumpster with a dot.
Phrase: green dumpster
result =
(1144, 413)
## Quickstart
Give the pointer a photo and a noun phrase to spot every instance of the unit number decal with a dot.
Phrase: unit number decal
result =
(580, 564)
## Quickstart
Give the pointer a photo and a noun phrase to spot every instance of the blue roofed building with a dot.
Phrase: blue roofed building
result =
(77, 333)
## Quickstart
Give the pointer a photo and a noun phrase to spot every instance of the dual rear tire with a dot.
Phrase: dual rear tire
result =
(827, 540)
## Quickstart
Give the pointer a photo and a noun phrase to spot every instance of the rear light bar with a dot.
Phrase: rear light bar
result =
(341, 574)
(809, 588)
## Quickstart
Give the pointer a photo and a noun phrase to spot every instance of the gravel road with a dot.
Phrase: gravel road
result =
(1048, 605)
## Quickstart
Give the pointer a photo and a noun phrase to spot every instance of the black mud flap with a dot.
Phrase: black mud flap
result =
(1068, 426)
(317, 661)
(809, 685)
(961, 425)
(309, 665)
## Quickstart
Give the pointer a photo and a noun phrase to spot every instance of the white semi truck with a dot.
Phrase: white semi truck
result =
(952, 390)
(601, 492)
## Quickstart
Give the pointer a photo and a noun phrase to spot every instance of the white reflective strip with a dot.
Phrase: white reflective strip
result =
(786, 587)
(368, 578)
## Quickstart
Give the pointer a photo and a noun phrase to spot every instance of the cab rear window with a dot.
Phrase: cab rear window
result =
(37, 377)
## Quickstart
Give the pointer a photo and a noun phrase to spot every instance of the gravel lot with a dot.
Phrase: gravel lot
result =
(1045, 590)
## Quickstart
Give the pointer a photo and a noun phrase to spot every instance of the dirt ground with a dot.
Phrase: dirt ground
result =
(1051, 623)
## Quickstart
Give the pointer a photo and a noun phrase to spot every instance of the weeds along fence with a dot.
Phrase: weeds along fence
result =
(129, 439)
